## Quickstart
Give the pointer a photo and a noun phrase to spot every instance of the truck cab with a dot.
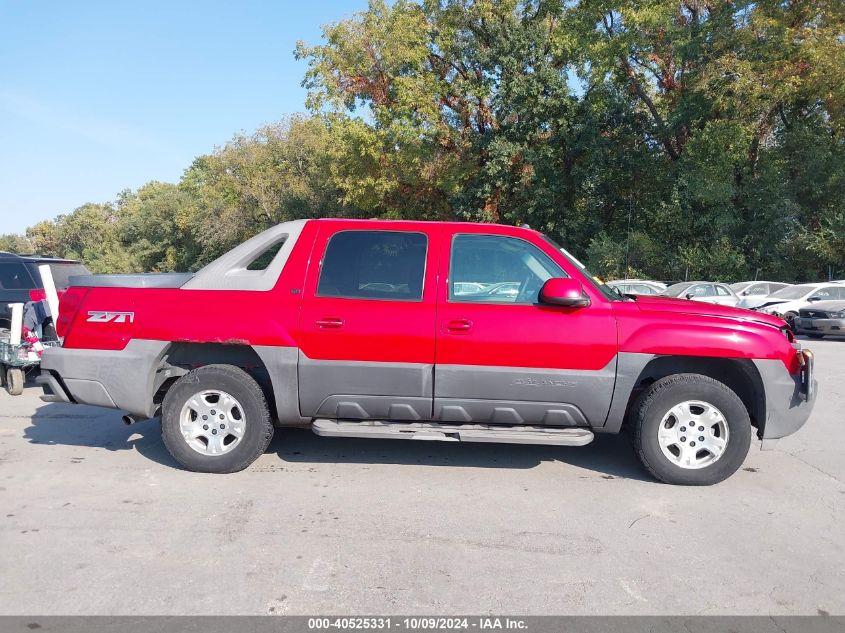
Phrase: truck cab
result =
(425, 330)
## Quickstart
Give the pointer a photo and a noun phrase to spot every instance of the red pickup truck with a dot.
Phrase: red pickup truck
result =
(424, 330)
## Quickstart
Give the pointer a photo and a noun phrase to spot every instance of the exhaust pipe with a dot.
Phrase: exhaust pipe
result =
(130, 419)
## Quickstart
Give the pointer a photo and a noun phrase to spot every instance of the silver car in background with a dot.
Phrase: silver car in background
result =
(637, 286)
(750, 292)
(706, 291)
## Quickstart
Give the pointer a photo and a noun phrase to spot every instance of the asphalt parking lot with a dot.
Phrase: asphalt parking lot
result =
(95, 518)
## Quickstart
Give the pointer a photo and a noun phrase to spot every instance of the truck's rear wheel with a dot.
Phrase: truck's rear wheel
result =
(215, 420)
(691, 429)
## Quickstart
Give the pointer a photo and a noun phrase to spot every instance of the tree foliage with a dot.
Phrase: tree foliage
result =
(663, 138)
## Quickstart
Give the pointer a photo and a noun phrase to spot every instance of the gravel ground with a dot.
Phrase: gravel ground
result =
(95, 518)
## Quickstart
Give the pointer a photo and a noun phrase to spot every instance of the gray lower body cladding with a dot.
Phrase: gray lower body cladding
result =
(118, 379)
(462, 393)
(521, 395)
(365, 390)
(788, 405)
(305, 389)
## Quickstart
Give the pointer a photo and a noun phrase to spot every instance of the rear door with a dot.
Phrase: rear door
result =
(367, 324)
(504, 358)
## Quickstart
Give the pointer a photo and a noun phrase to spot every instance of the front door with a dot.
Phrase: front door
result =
(504, 358)
(367, 325)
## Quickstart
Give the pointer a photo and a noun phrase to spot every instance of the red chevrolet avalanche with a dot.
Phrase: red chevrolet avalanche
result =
(424, 330)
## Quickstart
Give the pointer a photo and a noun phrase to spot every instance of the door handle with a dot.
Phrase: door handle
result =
(459, 326)
(329, 323)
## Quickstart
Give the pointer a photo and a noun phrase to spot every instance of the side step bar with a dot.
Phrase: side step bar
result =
(378, 429)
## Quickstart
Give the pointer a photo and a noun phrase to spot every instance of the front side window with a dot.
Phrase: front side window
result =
(498, 269)
(374, 265)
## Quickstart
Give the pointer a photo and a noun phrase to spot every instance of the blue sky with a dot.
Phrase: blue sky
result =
(98, 96)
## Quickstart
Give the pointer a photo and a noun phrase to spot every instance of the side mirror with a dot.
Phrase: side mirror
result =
(689, 295)
(814, 299)
(563, 291)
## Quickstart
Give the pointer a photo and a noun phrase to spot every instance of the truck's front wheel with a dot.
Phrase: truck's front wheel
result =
(691, 429)
(215, 420)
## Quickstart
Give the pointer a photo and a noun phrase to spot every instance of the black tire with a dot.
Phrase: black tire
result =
(14, 381)
(240, 385)
(656, 401)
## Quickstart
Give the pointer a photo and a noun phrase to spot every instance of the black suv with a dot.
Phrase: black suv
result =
(19, 277)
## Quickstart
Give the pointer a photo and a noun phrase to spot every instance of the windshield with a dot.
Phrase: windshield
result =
(792, 292)
(675, 290)
(610, 293)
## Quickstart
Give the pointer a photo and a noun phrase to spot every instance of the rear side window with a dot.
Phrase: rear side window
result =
(263, 260)
(722, 291)
(374, 265)
(62, 272)
(14, 276)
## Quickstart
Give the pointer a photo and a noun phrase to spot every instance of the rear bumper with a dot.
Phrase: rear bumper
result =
(789, 398)
(104, 378)
(819, 326)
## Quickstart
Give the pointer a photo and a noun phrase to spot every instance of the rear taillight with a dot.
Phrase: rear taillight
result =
(37, 294)
(69, 305)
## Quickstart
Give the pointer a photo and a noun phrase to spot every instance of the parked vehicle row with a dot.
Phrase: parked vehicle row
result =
(783, 300)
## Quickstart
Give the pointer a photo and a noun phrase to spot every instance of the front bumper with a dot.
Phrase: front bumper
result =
(789, 398)
(835, 327)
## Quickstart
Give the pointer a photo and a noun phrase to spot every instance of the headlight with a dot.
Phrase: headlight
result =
(838, 315)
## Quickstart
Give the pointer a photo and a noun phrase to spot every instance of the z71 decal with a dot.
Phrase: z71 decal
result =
(96, 316)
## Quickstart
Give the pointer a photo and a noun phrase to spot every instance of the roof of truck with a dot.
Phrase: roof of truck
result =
(421, 223)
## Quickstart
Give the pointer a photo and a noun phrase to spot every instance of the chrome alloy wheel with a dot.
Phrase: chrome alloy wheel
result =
(693, 434)
(212, 422)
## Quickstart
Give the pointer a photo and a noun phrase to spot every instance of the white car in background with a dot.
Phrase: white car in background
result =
(706, 291)
(637, 286)
(787, 302)
(750, 292)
